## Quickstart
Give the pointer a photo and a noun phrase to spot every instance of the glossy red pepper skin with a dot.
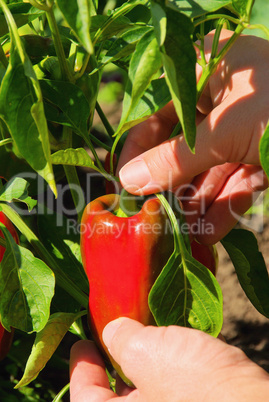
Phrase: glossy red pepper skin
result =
(122, 258)
(6, 337)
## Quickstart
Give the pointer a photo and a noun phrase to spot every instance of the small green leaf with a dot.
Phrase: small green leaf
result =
(145, 63)
(26, 288)
(155, 98)
(73, 157)
(77, 13)
(22, 14)
(264, 151)
(46, 343)
(179, 60)
(116, 22)
(16, 190)
(160, 21)
(65, 103)
(125, 44)
(104, 27)
(242, 247)
(243, 7)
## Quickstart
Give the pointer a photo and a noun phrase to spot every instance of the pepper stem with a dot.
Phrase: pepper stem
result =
(128, 205)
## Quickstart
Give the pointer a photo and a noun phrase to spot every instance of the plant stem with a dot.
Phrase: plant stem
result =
(258, 26)
(65, 71)
(3, 58)
(99, 142)
(215, 44)
(72, 176)
(216, 17)
(74, 184)
(202, 46)
(2, 242)
(84, 66)
(63, 391)
(62, 279)
(99, 164)
(210, 68)
(38, 5)
(115, 143)
(5, 141)
(105, 122)
(13, 29)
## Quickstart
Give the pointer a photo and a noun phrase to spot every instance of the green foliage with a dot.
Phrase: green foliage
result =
(250, 267)
(179, 61)
(46, 343)
(78, 16)
(16, 190)
(26, 288)
(186, 293)
(53, 60)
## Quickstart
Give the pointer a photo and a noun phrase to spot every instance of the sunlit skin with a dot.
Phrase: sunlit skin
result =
(174, 363)
(167, 364)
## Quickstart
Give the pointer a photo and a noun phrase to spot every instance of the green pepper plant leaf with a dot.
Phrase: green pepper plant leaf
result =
(186, 293)
(46, 343)
(26, 288)
(242, 247)
(16, 190)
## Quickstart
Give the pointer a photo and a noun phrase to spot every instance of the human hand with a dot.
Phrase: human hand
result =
(166, 364)
(224, 177)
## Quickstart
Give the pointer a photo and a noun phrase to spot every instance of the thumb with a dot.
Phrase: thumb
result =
(221, 137)
(168, 165)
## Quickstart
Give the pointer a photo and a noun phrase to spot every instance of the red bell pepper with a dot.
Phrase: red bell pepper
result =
(6, 337)
(122, 257)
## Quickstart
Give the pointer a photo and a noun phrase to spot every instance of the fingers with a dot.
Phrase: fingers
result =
(88, 379)
(238, 194)
(164, 362)
(172, 163)
(137, 349)
(218, 198)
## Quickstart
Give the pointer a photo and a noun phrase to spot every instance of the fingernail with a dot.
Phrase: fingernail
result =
(135, 175)
(110, 330)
